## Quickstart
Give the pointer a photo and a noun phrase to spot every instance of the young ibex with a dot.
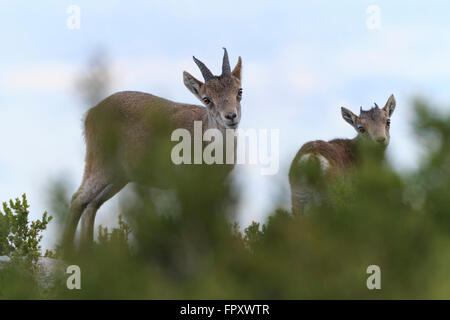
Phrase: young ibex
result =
(127, 115)
(338, 155)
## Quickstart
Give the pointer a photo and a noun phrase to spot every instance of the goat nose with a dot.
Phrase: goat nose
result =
(231, 116)
(381, 140)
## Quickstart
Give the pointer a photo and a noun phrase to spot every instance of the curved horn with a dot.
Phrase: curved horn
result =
(207, 75)
(376, 105)
(226, 69)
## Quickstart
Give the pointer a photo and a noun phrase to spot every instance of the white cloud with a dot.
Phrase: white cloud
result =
(51, 76)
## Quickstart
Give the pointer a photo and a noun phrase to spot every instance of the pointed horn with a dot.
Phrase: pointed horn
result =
(360, 109)
(207, 75)
(376, 105)
(226, 69)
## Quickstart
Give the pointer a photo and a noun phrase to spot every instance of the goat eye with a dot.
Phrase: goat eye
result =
(206, 100)
(388, 122)
(361, 129)
(240, 92)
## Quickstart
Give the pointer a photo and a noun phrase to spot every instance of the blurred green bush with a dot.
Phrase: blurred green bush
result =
(375, 216)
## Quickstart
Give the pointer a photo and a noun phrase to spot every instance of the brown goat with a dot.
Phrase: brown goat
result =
(338, 155)
(127, 117)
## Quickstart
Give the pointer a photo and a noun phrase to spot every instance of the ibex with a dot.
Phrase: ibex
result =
(127, 114)
(338, 155)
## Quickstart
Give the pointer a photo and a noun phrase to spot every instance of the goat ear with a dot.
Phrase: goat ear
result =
(349, 116)
(237, 69)
(390, 105)
(192, 84)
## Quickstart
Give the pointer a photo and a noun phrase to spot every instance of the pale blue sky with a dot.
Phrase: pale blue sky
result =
(302, 61)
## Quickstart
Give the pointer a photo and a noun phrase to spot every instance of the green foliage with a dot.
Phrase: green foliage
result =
(253, 235)
(118, 238)
(20, 240)
(19, 237)
(373, 216)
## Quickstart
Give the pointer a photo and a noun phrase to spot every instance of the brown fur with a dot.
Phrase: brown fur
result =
(124, 126)
(340, 154)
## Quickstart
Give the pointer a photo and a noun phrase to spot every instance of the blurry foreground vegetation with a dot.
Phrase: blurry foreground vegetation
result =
(190, 250)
